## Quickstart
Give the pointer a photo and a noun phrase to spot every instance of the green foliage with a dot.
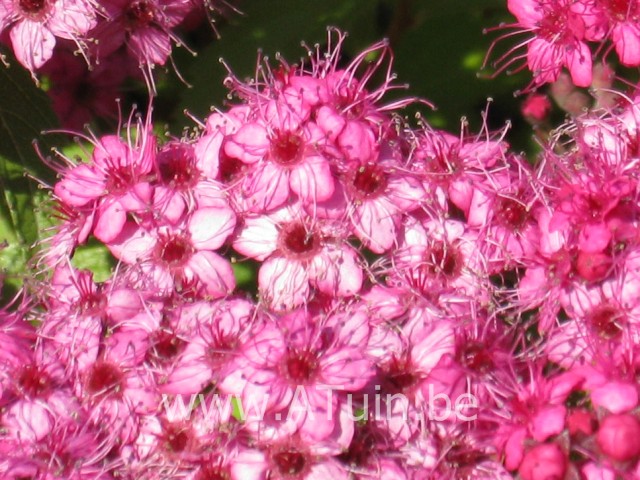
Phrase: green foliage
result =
(24, 113)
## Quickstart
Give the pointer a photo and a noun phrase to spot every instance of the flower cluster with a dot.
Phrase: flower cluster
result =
(88, 48)
(562, 31)
(428, 306)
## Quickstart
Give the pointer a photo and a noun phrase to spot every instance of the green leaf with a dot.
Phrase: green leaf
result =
(24, 113)
(95, 257)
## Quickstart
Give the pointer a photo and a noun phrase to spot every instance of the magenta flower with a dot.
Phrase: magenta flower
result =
(284, 150)
(115, 182)
(292, 366)
(168, 257)
(297, 251)
(34, 25)
(559, 29)
(144, 26)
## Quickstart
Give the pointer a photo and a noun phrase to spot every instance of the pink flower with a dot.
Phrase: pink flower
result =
(144, 26)
(204, 346)
(300, 371)
(284, 150)
(169, 256)
(559, 29)
(297, 250)
(115, 182)
(34, 25)
(374, 195)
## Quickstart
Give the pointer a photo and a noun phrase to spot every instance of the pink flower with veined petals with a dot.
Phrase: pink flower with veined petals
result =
(619, 20)
(34, 25)
(374, 195)
(181, 181)
(452, 166)
(284, 150)
(559, 28)
(204, 346)
(405, 357)
(144, 26)
(295, 251)
(297, 370)
(170, 256)
(441, 253)
(115, 181)
(538, 413)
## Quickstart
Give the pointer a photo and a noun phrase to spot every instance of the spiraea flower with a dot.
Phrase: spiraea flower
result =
(34, 25)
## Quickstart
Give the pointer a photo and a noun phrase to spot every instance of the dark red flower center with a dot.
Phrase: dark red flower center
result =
(362, 446)
(120, 178)
(289, 462)
(554, 25)
(176, 437)
(33, 381)
(175, 250)
(286, 148)
(607, 322)
(213, 472)
(167, 345)
(399, 374)
(444, 259)
(621, 9)
(32, 7)
(511, 213)
(369, 181)
(301, 366)
(104, 377)
(139, 14)
(229, 167)
(475, 356)
(176, 166)
(298, 241)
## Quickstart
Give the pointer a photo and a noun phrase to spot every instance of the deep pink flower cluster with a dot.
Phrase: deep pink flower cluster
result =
(562, 31)
(429, 305)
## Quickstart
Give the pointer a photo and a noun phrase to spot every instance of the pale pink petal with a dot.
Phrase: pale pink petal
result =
(207, 152)
(375, 224)
(266, 187)
(71, 19)
(336, 271)
(358, 142)
(431, 344)
(209, 227)
(79, 186)
(617, 397)
(258, 238)
(249, 144)
(249, 465)
(312, 180)
(579, 63)
(133, 244)
(548, 422)
(284, 284)
(528, 12)
(626, 37)
(214, 272)
(110, 220)
(330, 122)
(123, 304)
(32, 43)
